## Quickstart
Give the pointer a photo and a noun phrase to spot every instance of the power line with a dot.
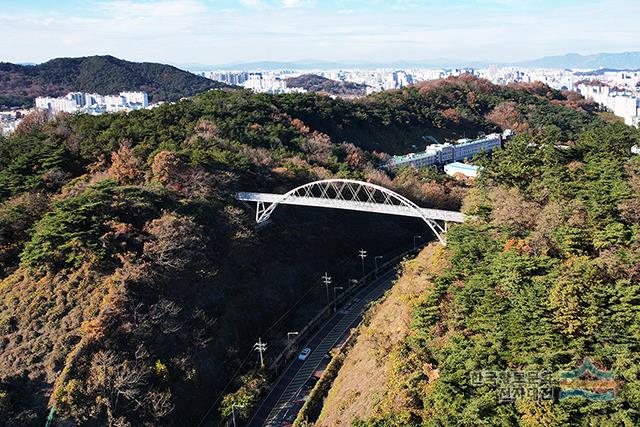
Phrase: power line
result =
(295, 304)
(235, 374)
(273, 325)
(362, 254)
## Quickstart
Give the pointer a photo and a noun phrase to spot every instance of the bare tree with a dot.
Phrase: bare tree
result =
(113, 381)
(176, 242)
(159, 404)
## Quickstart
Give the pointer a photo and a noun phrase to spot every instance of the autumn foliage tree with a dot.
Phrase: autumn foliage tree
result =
(125, 166)
(508, 116)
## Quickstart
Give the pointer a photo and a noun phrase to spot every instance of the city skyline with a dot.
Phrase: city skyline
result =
(226, 31)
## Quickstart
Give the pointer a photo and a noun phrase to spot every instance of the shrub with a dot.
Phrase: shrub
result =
(73, 231)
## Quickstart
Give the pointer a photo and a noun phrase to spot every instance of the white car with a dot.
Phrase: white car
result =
(304, 353)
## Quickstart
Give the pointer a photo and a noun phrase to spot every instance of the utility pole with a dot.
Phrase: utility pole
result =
(289, 335)
(414, 241)
(362, 255)
(260, 347)
(376, 261)
(335, 297)
(326, 279)
(233, 412)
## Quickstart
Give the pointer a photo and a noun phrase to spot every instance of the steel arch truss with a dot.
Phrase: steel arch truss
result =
(349, 194)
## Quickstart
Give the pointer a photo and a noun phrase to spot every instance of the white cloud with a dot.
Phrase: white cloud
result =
(157, 8)
(292, 3)
(255, 4)
(263, 4)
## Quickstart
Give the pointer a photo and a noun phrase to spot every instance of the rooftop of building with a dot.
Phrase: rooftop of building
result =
(465, 166)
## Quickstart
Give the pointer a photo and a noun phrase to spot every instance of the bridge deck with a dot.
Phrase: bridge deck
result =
(436, 214)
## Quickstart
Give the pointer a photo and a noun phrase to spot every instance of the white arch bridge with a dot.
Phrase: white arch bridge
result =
(355, 196)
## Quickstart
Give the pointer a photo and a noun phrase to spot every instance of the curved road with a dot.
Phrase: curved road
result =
(281, 406)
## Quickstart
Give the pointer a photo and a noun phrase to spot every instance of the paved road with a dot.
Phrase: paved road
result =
(282, 404)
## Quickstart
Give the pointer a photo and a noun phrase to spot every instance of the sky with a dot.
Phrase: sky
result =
(234, 31)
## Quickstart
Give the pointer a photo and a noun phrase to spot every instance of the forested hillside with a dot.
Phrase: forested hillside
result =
(547, 274)
(21, 84)
(398, 121)
(133, 285)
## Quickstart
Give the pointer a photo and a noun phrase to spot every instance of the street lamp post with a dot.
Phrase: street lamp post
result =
(376, 261)
(352, 283)
(335, 297)
(414, 241)
(362, 254)
(326, 279)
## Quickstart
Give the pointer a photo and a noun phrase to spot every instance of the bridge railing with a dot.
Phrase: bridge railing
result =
(436, 214)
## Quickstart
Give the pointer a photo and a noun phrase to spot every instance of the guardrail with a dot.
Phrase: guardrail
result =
(313, 405)
(367, 279)
(285, 356)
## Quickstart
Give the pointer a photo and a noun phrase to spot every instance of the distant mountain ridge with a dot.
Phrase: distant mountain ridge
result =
(624, 60)
(601, 71)
(316, 64)
(20, 84)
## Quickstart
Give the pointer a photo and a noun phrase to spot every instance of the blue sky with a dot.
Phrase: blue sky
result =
(226, 31)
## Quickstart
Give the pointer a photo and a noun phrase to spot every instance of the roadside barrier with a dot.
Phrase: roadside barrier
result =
(285, 356)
